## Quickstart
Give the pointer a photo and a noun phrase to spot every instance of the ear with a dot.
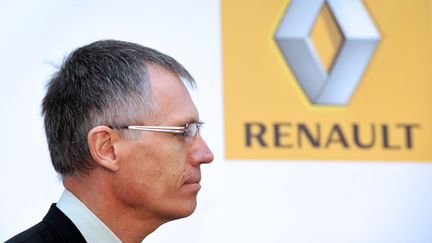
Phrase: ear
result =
(101, 140)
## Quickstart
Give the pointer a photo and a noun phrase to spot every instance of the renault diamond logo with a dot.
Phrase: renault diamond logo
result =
(336, 85)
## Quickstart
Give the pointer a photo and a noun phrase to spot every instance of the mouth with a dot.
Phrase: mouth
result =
(193, 183)
(195, 180)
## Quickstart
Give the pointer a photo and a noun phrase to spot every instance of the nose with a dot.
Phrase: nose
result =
(201, 153)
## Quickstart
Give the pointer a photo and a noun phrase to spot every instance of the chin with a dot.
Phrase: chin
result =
(182, 211)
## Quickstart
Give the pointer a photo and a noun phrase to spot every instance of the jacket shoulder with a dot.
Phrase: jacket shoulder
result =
(39, 233)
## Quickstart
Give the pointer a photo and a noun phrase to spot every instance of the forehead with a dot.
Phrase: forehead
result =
(173, 103)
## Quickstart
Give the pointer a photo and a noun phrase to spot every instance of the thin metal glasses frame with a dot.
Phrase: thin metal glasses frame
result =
(168, 129)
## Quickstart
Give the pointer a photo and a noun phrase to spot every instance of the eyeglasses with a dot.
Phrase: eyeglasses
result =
(189, 131)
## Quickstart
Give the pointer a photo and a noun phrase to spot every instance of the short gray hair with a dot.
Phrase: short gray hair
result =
(103, 83)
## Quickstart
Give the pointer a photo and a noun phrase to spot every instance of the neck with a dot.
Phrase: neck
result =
(130, 224)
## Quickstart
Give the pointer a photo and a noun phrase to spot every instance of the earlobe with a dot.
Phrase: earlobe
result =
(101, 141)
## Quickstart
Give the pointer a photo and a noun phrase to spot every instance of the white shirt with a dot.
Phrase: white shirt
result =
(90, 226)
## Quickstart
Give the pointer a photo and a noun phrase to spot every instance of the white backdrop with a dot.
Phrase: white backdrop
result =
(241, 201)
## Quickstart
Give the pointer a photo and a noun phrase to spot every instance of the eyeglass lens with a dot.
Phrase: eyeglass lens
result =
(192, 131)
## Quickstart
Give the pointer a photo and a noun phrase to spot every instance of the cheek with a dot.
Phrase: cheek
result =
(132, 187)
(171, 164)
(152, 175)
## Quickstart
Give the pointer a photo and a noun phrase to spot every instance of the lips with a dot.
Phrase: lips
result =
(193, 180)
(193, 184)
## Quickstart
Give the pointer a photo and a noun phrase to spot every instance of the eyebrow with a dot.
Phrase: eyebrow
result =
(185, 120)
(188, 121)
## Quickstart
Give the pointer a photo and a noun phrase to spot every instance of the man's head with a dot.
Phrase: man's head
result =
(104, 83)
(99, 91)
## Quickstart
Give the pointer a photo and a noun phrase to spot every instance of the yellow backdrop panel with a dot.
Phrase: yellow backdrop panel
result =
(268, 116)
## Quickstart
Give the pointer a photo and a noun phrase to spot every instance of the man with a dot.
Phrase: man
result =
(123, 133)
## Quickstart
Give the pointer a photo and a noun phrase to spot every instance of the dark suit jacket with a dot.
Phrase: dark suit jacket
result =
(55, 227)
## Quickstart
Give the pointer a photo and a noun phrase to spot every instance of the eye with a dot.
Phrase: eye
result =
(193, 128)
(189, 130)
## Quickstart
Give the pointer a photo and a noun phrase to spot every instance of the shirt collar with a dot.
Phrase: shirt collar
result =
(90, 226)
